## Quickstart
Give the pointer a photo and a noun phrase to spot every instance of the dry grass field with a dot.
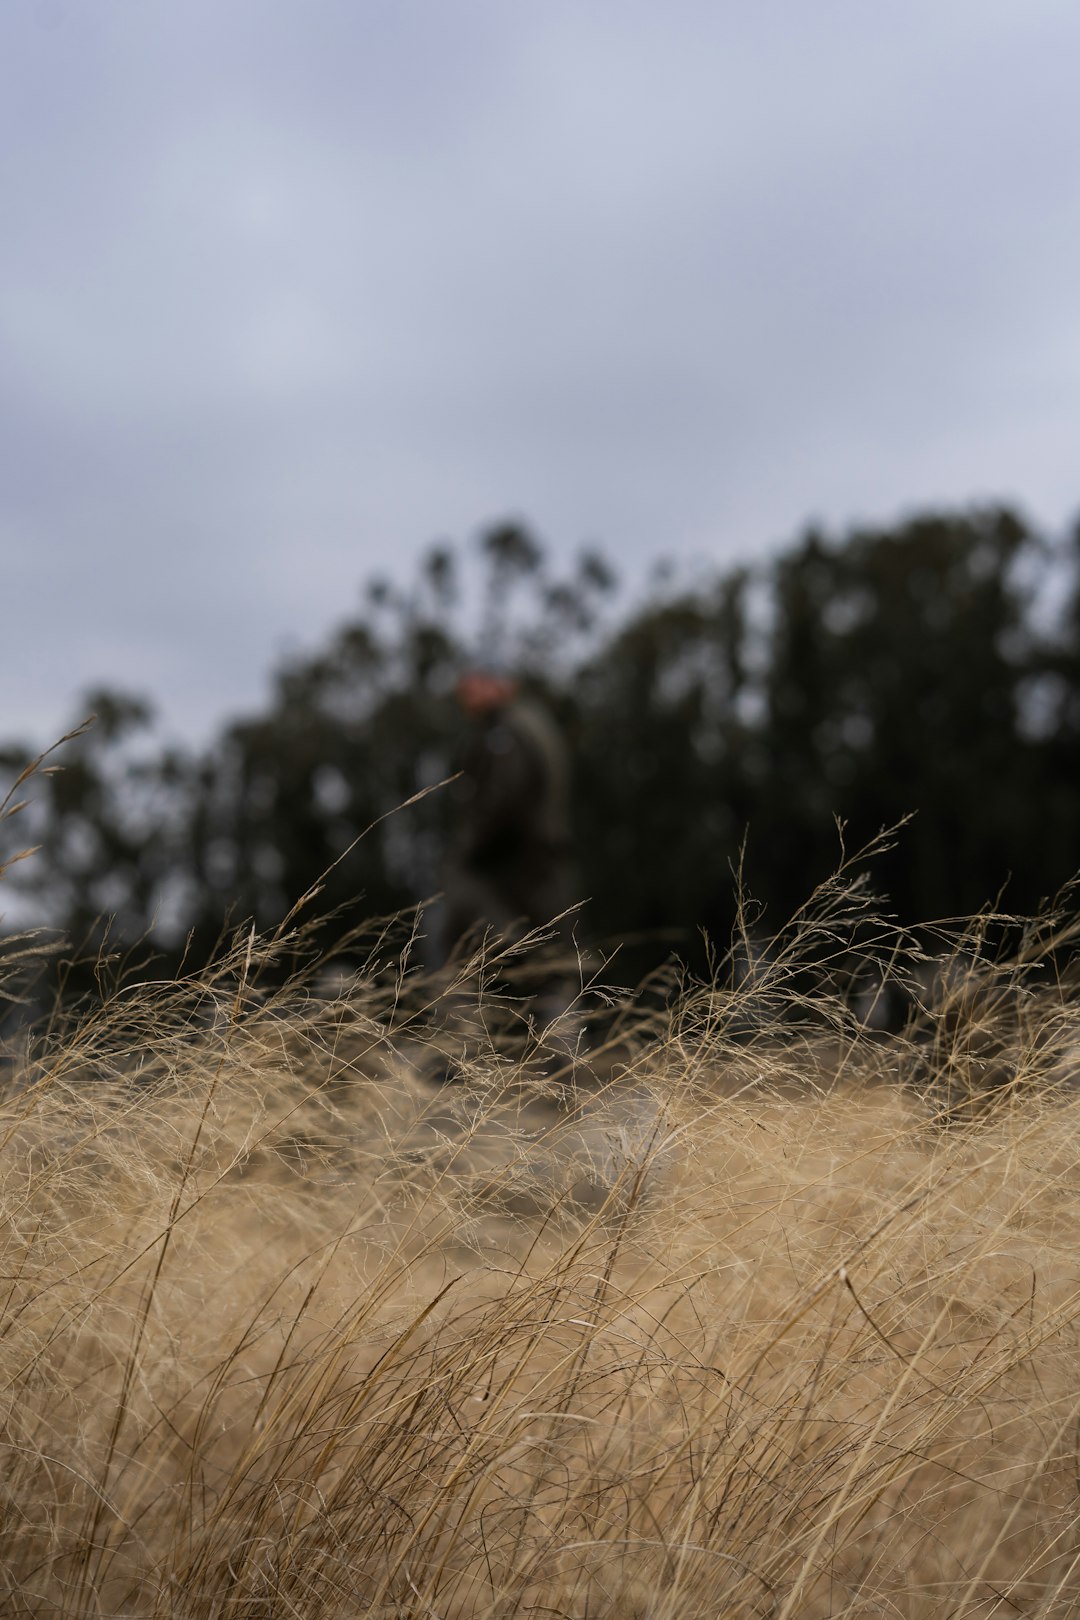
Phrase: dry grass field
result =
(751, 1312)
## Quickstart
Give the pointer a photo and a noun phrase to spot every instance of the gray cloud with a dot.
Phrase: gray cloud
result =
(289, 289)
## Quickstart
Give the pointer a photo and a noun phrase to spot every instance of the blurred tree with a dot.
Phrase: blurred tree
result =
(110, 818)
(355, 731)
(895, 680)
(661, 770)
(892, 671)
(1053, 718)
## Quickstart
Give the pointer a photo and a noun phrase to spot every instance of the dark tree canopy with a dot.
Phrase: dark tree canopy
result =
(889, 672)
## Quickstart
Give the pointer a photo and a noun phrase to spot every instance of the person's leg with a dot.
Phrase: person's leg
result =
(551, 971)
(468, 1016)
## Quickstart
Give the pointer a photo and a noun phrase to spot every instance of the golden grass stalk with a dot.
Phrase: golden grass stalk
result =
(751, 1311)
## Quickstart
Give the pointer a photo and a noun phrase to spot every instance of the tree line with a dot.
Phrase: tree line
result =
(928, 669)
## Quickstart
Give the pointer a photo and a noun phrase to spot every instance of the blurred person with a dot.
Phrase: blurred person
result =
(509, 866)
(509, 863)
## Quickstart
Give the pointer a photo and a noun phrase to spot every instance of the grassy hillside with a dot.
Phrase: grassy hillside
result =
(753, 1313)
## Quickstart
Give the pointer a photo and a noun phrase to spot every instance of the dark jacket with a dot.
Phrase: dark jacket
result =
(513, 839)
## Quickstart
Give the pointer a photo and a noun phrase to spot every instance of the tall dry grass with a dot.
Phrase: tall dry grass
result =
(750, 1311)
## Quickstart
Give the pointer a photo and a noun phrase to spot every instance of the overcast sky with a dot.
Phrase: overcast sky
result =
(289, 288)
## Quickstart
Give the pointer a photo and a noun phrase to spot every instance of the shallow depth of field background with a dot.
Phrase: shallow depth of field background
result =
(716, 372)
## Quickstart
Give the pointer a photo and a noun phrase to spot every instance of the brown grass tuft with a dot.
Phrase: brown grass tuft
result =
(754, 1312)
